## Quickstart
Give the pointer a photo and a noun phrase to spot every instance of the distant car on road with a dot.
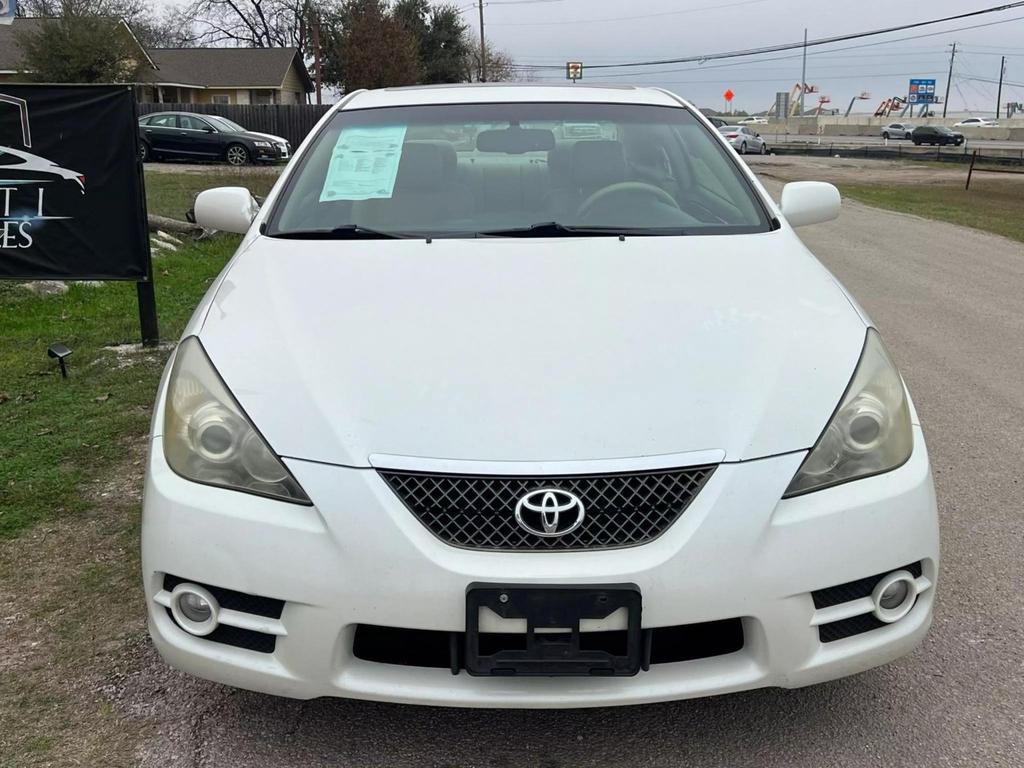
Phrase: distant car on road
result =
(936, 135)
(744, 139)
(753, 121)
(206, 137)
(976, 122)
(897, 131)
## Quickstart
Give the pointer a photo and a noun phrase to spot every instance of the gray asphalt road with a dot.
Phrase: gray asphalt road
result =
(949, 302)
(878, 141)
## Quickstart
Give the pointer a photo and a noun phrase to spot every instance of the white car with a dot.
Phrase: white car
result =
(535, 422)
(898, 131)
(976, 122)
(753, 121)
(744, 139)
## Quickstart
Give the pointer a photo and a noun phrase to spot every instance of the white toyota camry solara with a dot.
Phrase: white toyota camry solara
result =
(526, 396)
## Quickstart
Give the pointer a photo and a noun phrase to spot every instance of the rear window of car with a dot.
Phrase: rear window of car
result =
(470, 169)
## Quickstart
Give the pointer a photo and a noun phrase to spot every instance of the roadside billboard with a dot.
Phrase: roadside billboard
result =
(922, 92)
(71, 191)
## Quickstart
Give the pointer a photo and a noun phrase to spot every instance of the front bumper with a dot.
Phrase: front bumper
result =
(274, 153)
(360, 557)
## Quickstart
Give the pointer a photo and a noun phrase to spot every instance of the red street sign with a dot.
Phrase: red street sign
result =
(728, 94)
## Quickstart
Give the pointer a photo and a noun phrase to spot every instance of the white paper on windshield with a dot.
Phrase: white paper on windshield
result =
(364, 163)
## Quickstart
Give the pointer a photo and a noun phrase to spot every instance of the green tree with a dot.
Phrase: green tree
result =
(442, 37)
(364, 45)
(83, 43)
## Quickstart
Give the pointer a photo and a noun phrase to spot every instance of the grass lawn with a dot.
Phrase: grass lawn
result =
(993, 204)
(71, 459)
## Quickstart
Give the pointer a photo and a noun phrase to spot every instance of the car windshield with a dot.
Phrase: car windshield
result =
(224, 125)
(942, 129)
(516, 169)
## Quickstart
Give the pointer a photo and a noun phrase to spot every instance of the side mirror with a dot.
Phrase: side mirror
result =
(810, 202)
(208, 129)
(228, 209)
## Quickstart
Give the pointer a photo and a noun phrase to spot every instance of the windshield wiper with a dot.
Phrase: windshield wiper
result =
(345, 232)
(554, 229)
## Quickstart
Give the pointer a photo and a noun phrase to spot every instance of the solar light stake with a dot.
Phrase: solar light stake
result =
(59, 351)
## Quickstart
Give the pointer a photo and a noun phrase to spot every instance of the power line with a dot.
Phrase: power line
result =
(791, 46)
(811, 53)
(603, 20)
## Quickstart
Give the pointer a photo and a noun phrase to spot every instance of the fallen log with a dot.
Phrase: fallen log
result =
(173, 225)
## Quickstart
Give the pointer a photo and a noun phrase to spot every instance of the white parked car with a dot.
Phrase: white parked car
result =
(753, 121)
(976, 122)
(898, 131)
(744, 139)
(531, 422)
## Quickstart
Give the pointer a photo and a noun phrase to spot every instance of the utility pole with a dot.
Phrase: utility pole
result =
(803, 76)
(949, 81)
(483, 46)
(999, 95)
(316, 57)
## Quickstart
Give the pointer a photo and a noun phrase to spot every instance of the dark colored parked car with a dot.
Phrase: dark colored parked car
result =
(935, 135)
(206, 137)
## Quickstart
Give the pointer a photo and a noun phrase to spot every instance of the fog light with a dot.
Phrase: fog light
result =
(197, 609)
(894, 595)
(194, 609)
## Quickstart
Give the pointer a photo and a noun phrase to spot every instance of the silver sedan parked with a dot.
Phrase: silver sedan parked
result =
(744, 139)
(897, 131)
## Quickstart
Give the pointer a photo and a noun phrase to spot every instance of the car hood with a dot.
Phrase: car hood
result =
(533, 349)
(266, 137)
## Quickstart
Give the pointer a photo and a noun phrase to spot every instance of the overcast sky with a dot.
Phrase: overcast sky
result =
(553, 31)
(611, 31)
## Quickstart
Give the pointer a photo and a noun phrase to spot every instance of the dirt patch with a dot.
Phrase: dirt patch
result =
(71, 621)
(841, 170)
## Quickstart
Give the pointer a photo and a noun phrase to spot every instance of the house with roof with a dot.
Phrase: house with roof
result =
(191, 75)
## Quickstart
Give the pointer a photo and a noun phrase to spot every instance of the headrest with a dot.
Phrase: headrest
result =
(598, 163)
(423, 166)
(560, 163)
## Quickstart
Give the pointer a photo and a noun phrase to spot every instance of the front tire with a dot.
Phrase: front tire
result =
(145, 154)
(764, 148)
(236, 155)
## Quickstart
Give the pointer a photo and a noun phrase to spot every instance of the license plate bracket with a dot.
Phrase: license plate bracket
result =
(551, 607)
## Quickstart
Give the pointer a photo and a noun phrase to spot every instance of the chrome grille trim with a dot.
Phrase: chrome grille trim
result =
(477, 511)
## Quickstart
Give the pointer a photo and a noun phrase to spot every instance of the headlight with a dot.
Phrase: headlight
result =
(209, 439)
(264, 144)
(870, 431)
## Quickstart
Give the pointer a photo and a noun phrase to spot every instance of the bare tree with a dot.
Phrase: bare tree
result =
(500, 66)
(254, 23)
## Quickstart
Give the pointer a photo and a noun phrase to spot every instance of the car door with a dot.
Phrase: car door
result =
(160, 132)
(196, 137)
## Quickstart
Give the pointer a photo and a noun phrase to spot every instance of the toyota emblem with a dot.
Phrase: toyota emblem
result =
(549, 512)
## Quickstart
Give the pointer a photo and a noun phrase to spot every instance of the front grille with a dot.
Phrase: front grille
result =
(478, 511)
(445, 650)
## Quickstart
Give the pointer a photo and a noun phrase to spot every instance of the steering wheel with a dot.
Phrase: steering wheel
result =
(625, 188)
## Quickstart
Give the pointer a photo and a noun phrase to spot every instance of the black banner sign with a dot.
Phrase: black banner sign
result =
(71, 192)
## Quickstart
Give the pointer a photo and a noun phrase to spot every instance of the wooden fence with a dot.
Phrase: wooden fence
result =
(291, 121)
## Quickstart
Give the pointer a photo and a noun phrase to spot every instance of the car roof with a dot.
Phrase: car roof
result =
(486, 93)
